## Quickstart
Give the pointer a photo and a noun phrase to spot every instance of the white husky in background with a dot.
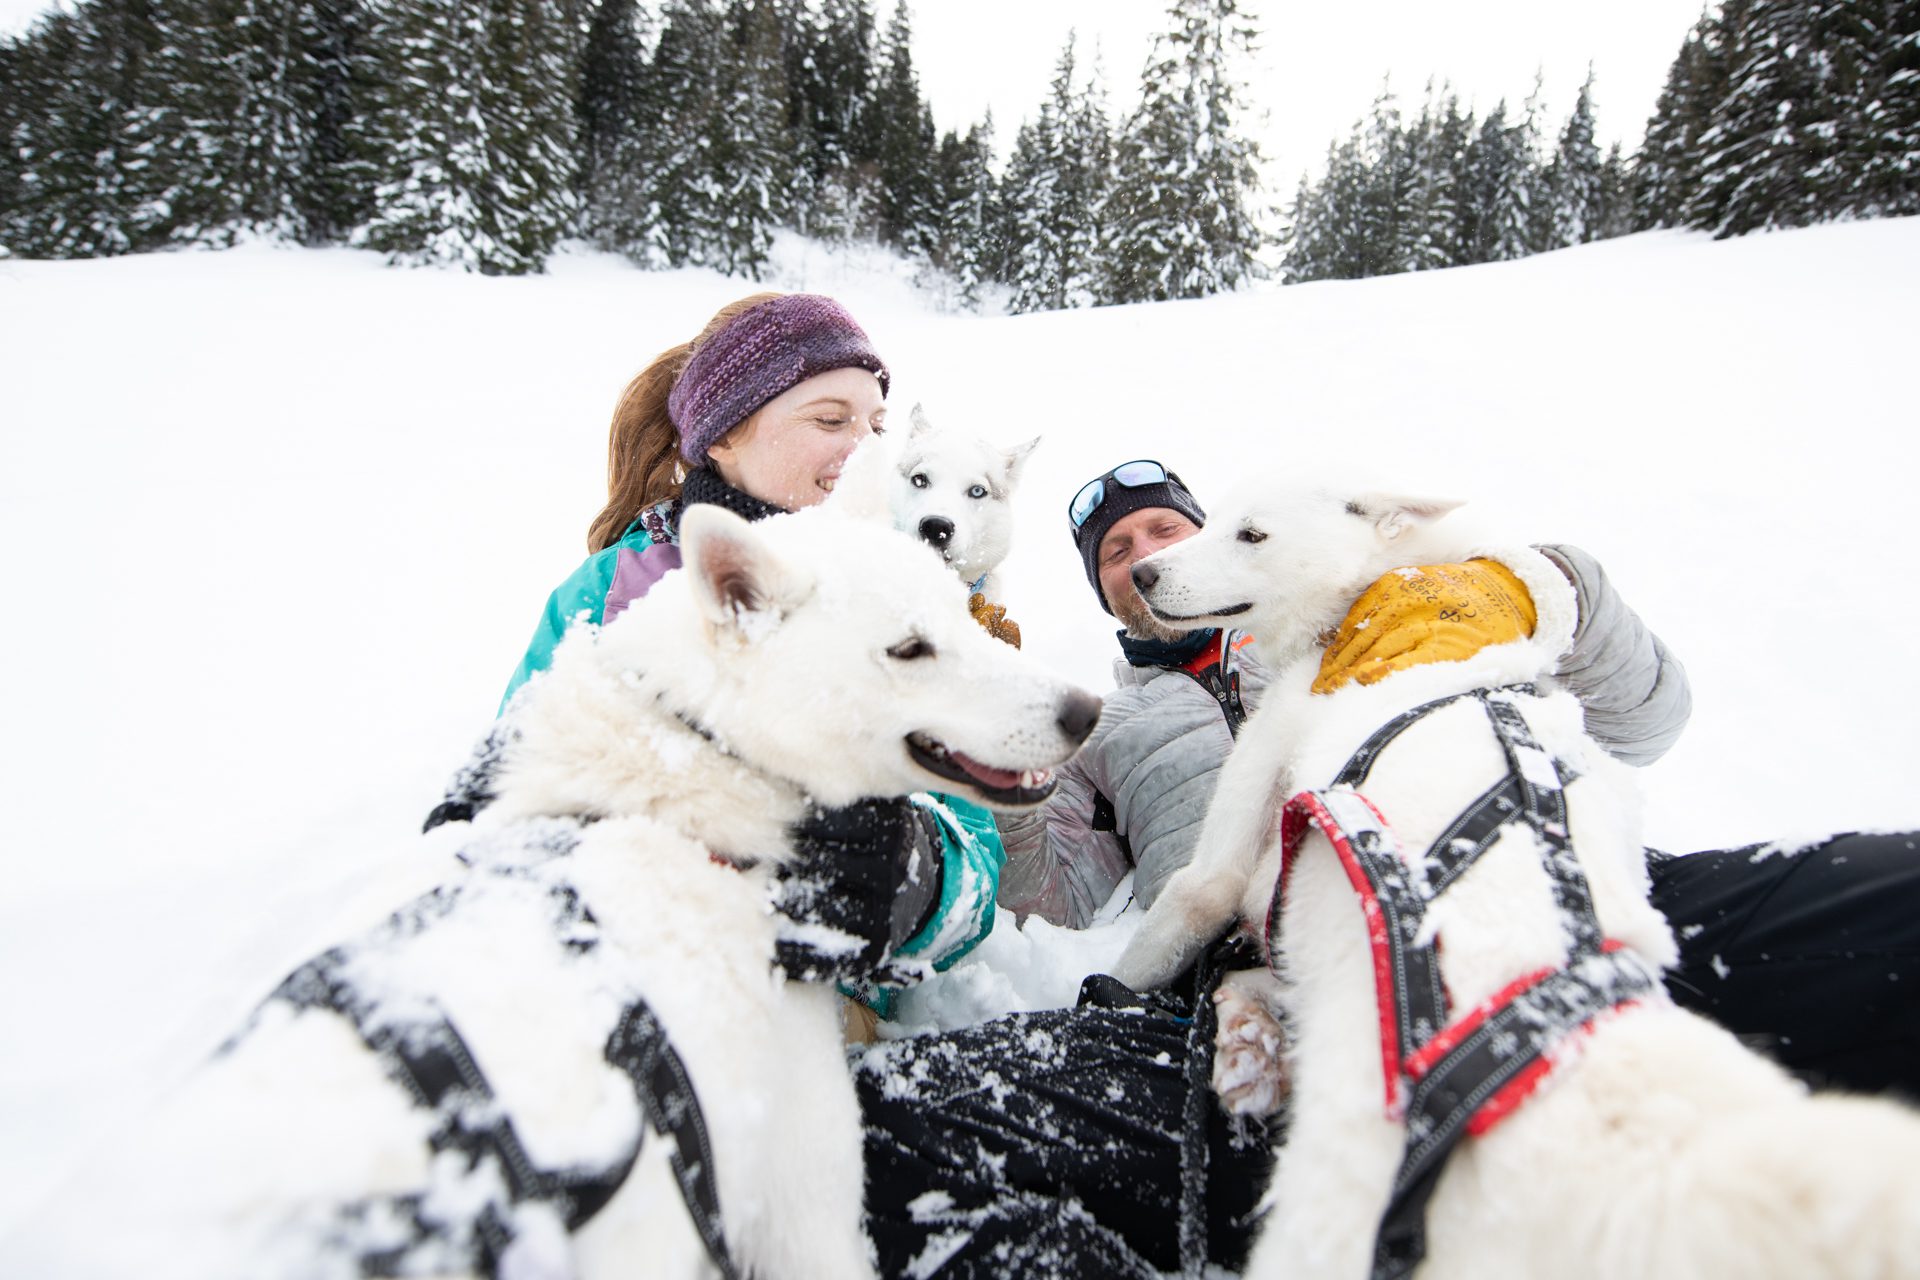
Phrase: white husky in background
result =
(956, 494)
(1658, 1146)
(642, 791)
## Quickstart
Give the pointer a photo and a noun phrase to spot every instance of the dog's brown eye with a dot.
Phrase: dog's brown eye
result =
(1252, 535)
(910, 648)
(919, 480)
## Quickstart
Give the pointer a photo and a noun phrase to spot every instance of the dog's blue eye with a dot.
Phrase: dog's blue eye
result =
(1252, 535)
(910, 648)
(978, 491)
(920, 480)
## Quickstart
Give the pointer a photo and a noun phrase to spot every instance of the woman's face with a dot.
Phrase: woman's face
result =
(790, 451)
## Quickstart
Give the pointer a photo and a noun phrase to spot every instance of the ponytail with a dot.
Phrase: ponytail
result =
(643, 448)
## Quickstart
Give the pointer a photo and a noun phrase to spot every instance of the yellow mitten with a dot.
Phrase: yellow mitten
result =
(994, 618)
(1433, 613)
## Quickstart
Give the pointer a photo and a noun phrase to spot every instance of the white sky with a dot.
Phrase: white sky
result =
(1319, 65)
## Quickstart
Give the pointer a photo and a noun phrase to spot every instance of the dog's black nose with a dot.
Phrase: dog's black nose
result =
(938, 530)
(1078, 714)
(1144, 576)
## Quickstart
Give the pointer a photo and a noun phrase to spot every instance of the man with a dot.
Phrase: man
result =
(1811, 954)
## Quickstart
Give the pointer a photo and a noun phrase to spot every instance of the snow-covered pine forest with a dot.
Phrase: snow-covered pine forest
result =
(484, 133)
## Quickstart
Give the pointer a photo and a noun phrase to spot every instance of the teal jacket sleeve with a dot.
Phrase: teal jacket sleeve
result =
(969, 881)
(582, 597)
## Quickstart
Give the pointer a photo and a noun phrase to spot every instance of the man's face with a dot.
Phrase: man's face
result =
(1132, 539)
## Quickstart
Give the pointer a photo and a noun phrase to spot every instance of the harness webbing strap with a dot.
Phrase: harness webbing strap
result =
(639, 1047)
(1462, 1077)
(1544, 802)
(1478, 1071)
(1361, 763)
(1408, 993)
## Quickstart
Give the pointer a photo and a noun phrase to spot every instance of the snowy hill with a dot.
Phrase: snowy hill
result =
(277, 524)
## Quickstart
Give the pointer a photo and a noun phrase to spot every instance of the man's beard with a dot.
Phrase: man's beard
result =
(1140, 622)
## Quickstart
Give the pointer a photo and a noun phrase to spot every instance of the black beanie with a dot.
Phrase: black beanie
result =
(1121, 501)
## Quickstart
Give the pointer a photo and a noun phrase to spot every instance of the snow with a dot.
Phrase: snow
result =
(278, 523)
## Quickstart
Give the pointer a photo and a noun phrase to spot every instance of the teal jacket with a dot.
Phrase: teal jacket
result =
(610, 580)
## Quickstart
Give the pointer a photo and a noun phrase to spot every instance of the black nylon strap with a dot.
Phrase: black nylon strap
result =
(639, 1047)
(1360, 764)
(1544, 802)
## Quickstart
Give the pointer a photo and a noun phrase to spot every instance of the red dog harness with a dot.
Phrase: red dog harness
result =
(1447, 1076)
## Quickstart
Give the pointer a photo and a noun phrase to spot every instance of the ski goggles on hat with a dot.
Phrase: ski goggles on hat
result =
(1128, 475)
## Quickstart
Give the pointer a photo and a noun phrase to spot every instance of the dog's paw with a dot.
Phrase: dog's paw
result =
(1249, 1063)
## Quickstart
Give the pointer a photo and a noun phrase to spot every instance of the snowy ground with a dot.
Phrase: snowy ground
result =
(277, 523)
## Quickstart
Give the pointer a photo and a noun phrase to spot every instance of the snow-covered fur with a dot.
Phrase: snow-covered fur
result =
(1659, 1146)
(956, 493)
(642, 799)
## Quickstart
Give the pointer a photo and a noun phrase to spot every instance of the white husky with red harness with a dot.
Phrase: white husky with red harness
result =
(1487, 1078)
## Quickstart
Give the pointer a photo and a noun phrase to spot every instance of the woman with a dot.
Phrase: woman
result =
(758, 414)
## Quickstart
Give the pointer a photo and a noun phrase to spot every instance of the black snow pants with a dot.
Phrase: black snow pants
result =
(1084, 1143)
(1811, 955)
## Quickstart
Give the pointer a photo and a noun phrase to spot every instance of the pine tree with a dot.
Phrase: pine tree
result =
(1888, 137)
(1053, 194)
(1613, 213)
(681, 97)
(1774, 156)
(1501, 184)
(964, 245)
(87, 139)
(831, 75)
(473, 134)
(1576, 179)
(1182, 211)
(750, 150)
(261, 98)
(1541, 222)
(1386, 202)
(900, 127)
(610, 156)
(1666, 170)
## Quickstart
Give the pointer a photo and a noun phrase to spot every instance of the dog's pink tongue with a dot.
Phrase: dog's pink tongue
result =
(987, 775)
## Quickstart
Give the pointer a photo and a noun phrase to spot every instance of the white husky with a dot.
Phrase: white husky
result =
(956, 494)
(1657, 1145)
(463, 1090)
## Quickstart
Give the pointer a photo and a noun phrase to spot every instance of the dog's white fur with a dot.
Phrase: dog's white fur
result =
(1659, 1146)
(956, 492)
(782, 641)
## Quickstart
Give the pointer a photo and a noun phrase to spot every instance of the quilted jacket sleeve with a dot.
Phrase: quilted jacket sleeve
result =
(1634, 691)
(1058, 867)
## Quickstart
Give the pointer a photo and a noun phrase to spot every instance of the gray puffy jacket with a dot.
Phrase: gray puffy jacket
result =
(1134, 797)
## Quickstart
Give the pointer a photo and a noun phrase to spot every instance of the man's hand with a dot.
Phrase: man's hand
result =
(994, 618)
(1433, 613)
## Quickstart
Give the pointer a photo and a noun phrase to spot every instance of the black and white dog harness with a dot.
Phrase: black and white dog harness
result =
(1449, 1076)
(503, 1194)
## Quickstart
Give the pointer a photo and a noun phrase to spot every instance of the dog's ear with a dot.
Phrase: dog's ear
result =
(918, 417)
(739, 581)
(867, 480)
(1017, 459)
(1393, 514)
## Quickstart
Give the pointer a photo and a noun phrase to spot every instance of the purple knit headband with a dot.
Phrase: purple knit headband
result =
(762, 352)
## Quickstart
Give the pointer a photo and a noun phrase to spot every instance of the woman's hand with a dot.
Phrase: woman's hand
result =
(861, 881)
